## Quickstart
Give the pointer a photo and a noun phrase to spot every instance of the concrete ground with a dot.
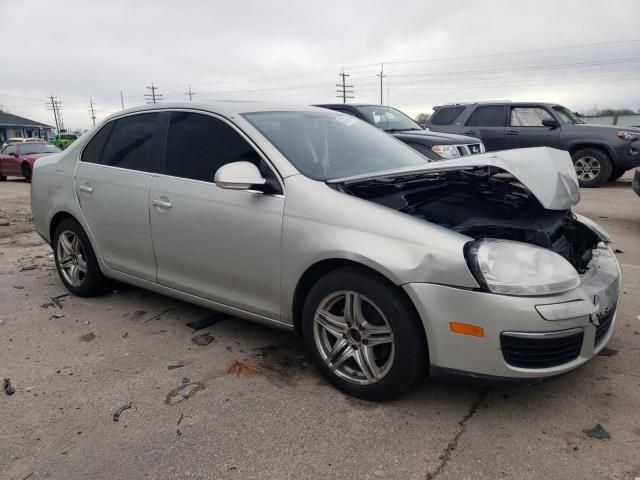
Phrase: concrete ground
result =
(75, 364)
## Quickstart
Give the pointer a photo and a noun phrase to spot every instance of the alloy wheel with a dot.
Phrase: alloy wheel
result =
(71, 258)
(353, 337)
(587, 168)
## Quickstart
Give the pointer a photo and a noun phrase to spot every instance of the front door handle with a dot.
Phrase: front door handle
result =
(86, 188)
(470, 132)
(513, 132)
(161, 203)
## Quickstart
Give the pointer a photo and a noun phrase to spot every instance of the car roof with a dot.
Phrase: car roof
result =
(493, 102)
(342, 105)
(221, 107)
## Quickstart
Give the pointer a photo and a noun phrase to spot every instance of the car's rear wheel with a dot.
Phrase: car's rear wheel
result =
(76, 262)
(593, 167)
(363, 334)
(616, 173)
(26, 171)
(3, 178)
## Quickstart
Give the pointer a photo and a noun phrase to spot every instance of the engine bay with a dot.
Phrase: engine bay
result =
(482, 203)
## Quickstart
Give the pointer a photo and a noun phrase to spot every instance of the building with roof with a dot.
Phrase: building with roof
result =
(12, 126)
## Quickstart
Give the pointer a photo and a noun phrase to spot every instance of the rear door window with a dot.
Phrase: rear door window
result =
(130, 143)
(446, 115)
(198, 145)
(487, 116)
(529, 116)
(92, 153)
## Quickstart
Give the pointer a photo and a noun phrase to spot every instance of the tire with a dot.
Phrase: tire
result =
(3, 178)
(383, 357)
(89, 283)
(616, 173)
(26, 172)
(593, 167)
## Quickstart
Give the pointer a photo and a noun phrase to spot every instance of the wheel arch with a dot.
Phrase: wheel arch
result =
(577, 145)
(314, 272)
(57, 220)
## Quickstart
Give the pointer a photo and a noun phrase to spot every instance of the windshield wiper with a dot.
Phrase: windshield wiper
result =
(396, 130)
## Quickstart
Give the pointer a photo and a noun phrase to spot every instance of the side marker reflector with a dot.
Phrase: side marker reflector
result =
(466, 329)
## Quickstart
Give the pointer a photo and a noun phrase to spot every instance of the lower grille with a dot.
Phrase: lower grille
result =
(533, 350)
(603, 328)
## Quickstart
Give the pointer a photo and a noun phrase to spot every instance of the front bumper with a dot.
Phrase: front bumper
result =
(580, 310)
(627, 155)
(636, 182)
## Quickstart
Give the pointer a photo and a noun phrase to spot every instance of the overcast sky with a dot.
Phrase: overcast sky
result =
(579, 53)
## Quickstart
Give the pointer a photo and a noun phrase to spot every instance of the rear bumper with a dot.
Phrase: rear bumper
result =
(501, 315)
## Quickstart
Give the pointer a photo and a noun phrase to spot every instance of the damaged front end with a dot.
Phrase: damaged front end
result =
(520, 195)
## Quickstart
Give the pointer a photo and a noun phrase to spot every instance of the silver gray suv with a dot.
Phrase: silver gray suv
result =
(317, 222)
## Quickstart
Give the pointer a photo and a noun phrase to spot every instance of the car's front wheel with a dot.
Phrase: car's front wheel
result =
(76, 262)
(593, 167)
(363, 334)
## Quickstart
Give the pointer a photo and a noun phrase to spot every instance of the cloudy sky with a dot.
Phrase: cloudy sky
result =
(579, 53)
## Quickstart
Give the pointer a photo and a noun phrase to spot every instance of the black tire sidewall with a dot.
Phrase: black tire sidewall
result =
(411, 357)
(26, 171)
(95, 282)
(605, 166)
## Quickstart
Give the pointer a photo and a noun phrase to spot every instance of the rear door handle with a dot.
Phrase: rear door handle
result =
(86, 188)
(513, 132)
(161, 203)
(470, 132)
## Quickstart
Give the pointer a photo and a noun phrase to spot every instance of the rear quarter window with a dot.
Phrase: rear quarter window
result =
(446, 115)
(93, 151)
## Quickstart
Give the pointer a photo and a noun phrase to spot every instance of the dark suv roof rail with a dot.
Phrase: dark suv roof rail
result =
(484, 102)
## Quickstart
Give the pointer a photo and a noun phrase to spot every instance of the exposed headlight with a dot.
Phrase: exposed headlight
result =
(626, 135)
(446, 151)
(515, 268)
(600, 232)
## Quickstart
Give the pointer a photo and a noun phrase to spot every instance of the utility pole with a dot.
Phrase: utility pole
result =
(121, 100)
(56, 106)
(345, 91)
(153, 97)
(381, 75)
(92, 111)
(190, 93)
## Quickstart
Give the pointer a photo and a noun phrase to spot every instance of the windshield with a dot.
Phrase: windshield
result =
(28, 149)
(566, 115)
(326, 146)
(388, 119)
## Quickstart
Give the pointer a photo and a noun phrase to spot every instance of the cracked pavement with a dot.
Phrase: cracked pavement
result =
(74, 366)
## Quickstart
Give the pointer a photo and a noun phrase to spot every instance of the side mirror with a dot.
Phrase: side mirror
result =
(13, 154)
(238, 176)
(550, 122)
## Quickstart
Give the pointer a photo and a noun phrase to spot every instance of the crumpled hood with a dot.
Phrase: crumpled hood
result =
(547, 173)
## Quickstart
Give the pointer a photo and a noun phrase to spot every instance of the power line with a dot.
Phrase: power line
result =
(56, 107)
(345, 91)
(153, 97)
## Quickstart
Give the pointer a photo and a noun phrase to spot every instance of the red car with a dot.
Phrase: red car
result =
(16, 159)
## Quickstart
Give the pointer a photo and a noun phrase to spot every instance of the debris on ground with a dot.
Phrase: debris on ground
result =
(87, 337)
(139, 313)
(57, 298)
(185, 380)
(4, 222)
(18, 287)
(180, 419)
(597, 432)
(173, 367)
(183, 392)
(118, 412)
(8, 388)
(48, 304)
(125, 335)
(157, 315)
(206, 321)
(28, 267)
(56, 315)
(607, 352)
(202, 340)
(243, 368)
(617, 250)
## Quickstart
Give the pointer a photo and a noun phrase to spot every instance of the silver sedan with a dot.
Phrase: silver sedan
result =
(314, 221)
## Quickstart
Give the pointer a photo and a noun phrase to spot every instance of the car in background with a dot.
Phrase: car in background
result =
(600, 153)
(63, 140)
(636, 182)
(17, 159)
(33, 140)
(300, 218)
(433, 145)
(13, 140)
